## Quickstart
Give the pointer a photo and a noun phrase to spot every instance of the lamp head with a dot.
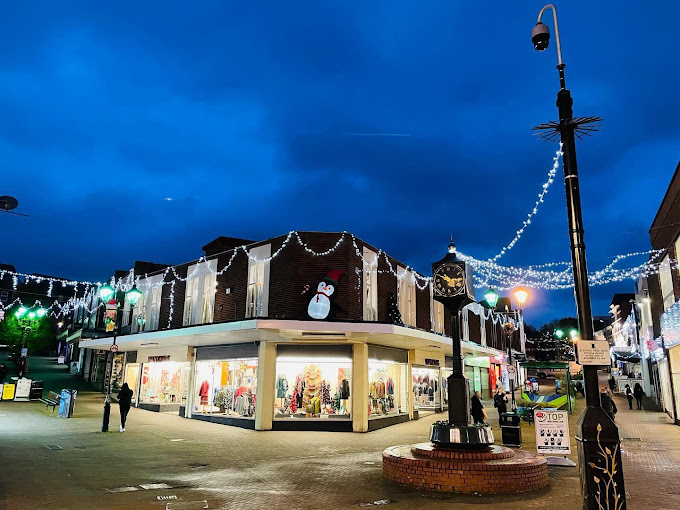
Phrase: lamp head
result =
(20, 312)
(105, 292)
(41, 312)
(521, 296)
(133, 295)
(540, 36)
(491, 297)
(452, 246)
(559, 333)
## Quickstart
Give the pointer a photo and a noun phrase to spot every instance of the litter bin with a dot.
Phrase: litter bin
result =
(511, 429)
(36, 390)
(67, 403)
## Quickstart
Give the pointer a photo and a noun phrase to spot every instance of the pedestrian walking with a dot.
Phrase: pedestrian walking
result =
(638, 393)
(629, 396)
(607, 403)
(3, 372)
(500, 401)
(124, 402)
(477, 409)
(612, 383)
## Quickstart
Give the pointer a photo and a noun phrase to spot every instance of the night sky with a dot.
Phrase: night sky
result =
(401, 122)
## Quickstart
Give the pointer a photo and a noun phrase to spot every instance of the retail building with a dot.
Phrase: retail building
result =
(307, 331)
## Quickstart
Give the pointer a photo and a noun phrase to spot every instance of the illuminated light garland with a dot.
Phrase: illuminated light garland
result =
(539, 201)
(172, 303)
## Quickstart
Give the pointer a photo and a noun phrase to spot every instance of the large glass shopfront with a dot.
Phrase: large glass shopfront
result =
(164, 382)
(426, 389)
(227, 387)
(313, 381)
(387, 381)
(132, 379)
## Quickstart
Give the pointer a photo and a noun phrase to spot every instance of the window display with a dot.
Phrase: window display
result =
(388, 393)
(164, 382)
(425, 389)
(226, 387)
(312, 388)
(117, 371)
(446, 372)
(132, 378)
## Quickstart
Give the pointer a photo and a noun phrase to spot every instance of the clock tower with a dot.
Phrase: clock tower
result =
(452, 285)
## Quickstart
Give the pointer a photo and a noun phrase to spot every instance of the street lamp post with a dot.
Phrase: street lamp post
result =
(596, 432)
(27, 320)
(107, 294)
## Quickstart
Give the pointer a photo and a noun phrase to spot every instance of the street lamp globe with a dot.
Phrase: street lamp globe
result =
(105, 292)
(133, 295)
(540, 36)
(31, 314)
(491, 297)
(521, 296)
(41, 312)
(20, 312)
(559, 333)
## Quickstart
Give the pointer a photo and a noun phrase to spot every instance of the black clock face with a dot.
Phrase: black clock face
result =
(449, 280)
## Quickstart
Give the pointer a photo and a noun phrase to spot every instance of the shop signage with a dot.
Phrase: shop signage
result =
(113, 348)
(60, 360)
(431, 362)
(101, 352)
(156, 359)
(8, 392)
(24, 352)
(593, 352)
(552, 432)
(75, 367)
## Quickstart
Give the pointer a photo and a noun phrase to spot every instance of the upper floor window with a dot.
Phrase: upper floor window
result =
(370, 284)
(199, 297)
(147, 311)
(406, 296)
(666, 281)
(257, 297)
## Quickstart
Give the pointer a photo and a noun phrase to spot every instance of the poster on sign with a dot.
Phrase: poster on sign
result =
(552, 432)
(23, 389)
(8, 392)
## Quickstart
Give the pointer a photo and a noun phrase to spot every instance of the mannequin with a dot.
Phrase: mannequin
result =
(203, 393)
(281, 390)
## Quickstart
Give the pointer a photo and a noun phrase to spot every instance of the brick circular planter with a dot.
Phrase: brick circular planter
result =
(495, 471)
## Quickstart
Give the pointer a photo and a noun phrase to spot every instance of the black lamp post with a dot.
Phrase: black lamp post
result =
(107, 294)
(599, 449)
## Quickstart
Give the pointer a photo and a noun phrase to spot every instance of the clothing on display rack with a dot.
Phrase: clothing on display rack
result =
(344, 389)
(281, 386)
(203, 392)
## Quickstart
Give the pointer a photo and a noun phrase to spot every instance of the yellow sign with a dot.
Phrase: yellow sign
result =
(8, 392)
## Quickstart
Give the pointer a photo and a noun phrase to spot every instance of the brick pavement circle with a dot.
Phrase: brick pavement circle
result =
(495, 452)
(465, 472)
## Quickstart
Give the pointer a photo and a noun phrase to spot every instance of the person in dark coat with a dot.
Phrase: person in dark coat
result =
(124, 402)
(638, 392)
(612, 383)
(500, 401)
(607, 403)
(476, 408)
(3, 372)
(629, 396)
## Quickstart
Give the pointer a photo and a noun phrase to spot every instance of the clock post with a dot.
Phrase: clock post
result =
(452, 286)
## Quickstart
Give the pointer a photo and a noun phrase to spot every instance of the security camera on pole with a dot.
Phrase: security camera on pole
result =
(599, 448)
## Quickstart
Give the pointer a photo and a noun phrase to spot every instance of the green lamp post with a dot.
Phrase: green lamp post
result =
(27, 319)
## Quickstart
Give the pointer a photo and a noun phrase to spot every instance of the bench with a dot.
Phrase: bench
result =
(52, 399)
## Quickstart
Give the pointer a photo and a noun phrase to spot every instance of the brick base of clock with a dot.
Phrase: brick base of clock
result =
(495, 470)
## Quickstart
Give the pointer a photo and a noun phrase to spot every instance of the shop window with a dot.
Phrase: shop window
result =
(199, 296)
(155, 308)
(257, 297)
(666, 281)
(132, 379)
(370, 285)
(226, 387)
(388, 388)
(165, 382)
(425, 388)
(406, 296)
(313, 387)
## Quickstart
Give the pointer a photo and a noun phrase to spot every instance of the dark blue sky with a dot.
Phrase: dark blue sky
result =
(243, 115)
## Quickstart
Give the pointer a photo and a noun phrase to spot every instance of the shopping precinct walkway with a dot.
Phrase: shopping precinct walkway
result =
(50, 462)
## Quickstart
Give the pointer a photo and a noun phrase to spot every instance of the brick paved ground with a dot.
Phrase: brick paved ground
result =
(241, 469)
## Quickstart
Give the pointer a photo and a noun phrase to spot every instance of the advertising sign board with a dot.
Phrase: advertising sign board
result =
(552, 432)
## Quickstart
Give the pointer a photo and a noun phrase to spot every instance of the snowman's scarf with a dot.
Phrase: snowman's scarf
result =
(320, 292)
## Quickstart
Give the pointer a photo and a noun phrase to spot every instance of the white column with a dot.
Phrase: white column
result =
(360, 388)
(266, 372)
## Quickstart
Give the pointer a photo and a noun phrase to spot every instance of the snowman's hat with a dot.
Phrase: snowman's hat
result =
(333, 276)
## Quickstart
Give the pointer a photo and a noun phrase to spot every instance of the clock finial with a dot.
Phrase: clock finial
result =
(452, 246)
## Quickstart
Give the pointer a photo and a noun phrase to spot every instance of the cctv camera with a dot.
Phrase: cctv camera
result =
(540, 36)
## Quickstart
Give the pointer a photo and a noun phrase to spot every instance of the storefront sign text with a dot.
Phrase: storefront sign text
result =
(432, 362)
(593, 352)
(156, 359)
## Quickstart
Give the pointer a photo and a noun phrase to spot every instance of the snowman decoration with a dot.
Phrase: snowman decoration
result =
(320, 305)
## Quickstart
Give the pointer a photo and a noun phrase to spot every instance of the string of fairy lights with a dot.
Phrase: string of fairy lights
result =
(487, 273)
